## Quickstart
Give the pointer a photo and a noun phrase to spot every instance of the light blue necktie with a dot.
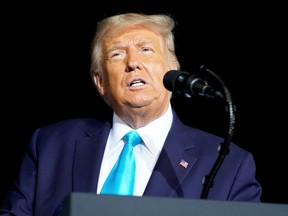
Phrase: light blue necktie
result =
(121, 178)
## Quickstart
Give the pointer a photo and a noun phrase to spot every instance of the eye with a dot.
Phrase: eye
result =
(115, 55)
(146, 49)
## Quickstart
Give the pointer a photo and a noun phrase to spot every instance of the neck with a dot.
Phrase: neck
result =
(140, 117)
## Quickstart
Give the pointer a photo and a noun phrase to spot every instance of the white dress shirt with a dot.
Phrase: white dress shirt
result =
(146, 154)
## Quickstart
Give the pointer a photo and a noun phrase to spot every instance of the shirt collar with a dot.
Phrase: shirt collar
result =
(153, 134)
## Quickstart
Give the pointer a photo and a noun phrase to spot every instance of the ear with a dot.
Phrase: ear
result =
(98, 81)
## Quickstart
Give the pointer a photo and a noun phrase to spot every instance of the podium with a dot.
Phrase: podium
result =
(88, 204)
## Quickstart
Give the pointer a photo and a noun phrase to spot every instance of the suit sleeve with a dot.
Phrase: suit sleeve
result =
(20, 198)
(245, 186)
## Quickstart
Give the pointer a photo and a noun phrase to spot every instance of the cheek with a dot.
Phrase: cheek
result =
(114, 83)
(157, 74)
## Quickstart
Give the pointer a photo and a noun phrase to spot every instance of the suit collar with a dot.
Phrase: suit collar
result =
(89, 151)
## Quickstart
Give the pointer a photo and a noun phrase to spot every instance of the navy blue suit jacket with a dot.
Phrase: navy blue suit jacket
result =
(66, 157)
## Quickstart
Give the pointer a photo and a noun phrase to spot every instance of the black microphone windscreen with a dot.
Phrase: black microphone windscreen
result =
(171, 78)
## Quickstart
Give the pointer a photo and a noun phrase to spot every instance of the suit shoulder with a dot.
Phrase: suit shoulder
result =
(72, 126)
(209, 141)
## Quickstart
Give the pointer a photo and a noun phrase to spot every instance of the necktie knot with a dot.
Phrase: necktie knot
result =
(132, 138)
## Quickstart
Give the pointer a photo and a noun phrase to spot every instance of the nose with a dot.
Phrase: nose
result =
(133, 61)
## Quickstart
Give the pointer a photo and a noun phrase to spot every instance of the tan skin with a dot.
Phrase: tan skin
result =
(135, 55)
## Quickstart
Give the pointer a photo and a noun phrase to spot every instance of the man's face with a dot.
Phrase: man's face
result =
(135, 61)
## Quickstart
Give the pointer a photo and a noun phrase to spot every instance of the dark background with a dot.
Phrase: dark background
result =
(45, 51)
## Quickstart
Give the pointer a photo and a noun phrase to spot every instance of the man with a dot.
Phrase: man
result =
(130, 55)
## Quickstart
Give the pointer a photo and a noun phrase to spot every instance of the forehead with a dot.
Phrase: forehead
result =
(138, 32)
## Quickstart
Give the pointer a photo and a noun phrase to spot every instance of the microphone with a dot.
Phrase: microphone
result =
(185, 83)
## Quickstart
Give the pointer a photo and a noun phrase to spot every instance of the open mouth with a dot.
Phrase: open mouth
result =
(136, 83)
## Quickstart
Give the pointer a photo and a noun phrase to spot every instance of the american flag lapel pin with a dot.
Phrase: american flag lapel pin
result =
(183, 163)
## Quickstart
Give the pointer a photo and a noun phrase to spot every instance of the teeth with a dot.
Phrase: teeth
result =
(137, 83)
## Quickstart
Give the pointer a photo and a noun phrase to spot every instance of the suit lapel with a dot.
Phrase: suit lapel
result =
(89, 152)
(168, 173)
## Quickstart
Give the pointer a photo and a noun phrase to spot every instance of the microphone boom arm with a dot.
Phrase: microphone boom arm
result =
(224, 147)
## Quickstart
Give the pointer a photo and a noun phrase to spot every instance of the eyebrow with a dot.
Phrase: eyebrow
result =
(121, 45)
